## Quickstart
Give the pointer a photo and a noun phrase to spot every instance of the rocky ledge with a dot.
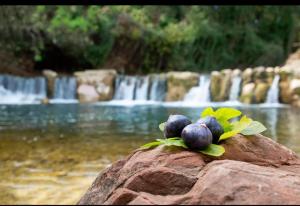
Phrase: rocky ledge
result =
(253, 170)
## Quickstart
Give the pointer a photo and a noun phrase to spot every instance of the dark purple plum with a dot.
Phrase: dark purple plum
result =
(196, 136)
(175, 125)
(214, 126)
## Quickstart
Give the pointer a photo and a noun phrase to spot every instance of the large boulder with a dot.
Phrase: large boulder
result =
(87, 94)
(225, 84)
(179, 83)
(260, 74)
(253, 170)
(50, 77)
(215, 80)
(236, 73)
(220, 85)
(285, 73)
(295, 86)
(295, 92)
(247, 76)
(293, 62)
(285, 93)
(247, 93)
(102, 80)
(270, 72)
(261, 91)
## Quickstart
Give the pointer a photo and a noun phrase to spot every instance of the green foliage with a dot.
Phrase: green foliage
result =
(237, 127)
(224, 116)
(212, 149)
(244, 125)
(255, 127)
(154, 38)
(162, 126)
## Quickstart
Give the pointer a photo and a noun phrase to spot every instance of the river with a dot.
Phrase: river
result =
(50, 154)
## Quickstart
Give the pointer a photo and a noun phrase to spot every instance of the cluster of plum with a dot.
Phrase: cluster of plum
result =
(197, 135)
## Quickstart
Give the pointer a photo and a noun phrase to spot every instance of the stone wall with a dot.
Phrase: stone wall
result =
(179, 83)
(98, 85)
(95, 85)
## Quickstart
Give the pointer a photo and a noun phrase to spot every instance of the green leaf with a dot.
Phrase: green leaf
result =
(237, 127)
(213, 150)
(208, 112)
(174, 141)
(242, 124)
(225, 124)
(162, 126)
(150, 144)
(254, 128)
(222, 115)
(228, 134)
(227, 113)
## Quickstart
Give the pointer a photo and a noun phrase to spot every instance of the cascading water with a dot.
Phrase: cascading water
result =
(201, 93)
(273, 93)
(65, 88)
(141, 88)
(158, 88)
(235, 88)
(125, 87)
(22, 90)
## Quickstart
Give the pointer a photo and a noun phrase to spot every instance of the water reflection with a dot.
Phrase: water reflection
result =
(50, 154)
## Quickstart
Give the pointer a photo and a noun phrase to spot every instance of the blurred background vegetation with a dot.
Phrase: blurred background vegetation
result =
(143, 39)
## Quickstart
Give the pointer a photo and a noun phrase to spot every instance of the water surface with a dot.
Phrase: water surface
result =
(50, 154)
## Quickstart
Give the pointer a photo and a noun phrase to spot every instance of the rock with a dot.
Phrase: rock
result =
(277, 70)
(105, 91)
(295, 68)
(293, 57)
(247, 76)
(179, 83)
(296, 100)
(295, 86)
(225, 85)
(285, 73)
(293, 62)
(236, 73)
(285, 93)
(50, 77)
(220, 83)
(103, 80)
(215, 79)
(45, 101)
(260, 92)
(87, 93)
(253, 170)
(270, 74)
(247, 93)
(295, 92)
(260, 74)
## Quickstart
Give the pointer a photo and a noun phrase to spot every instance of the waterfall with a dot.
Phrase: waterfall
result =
(158, 88)
(201, 92)
(65, 88)
(235, 88)
(141, 88)
(273, 92)
(22, 90)
(125, 87)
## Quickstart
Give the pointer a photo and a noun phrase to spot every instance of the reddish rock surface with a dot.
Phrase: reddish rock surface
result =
(253, 170)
